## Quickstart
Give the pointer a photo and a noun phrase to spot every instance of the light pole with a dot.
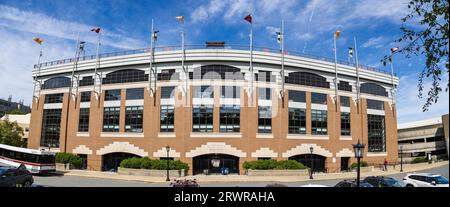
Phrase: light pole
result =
(359, 150)
(312, 163)
(401, 158)
(167, 149)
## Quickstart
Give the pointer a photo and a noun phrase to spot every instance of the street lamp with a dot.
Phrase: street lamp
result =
(167, 149)
(401, 158)
(359, 150)
(312, 163)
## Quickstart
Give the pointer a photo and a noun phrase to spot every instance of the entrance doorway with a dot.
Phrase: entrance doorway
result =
(83, 161)
(215, 164)
(112, 161)
(306, 159)
(344, 163)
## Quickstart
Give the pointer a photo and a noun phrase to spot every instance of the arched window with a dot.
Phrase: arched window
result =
(125, 76)
(307, 79)
(374, 89)
(56, 82)
(218, 72)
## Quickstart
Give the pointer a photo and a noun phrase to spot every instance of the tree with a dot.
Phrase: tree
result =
(11, 134)
(16, 111)
(429, 39)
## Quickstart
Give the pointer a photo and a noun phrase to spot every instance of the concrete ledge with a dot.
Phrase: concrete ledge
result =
(365, 169)
(277, 172)
(153, 173)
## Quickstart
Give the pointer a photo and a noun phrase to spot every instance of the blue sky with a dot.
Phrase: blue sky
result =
(309, 28)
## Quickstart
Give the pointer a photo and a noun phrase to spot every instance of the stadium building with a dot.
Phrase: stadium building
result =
(212, 110)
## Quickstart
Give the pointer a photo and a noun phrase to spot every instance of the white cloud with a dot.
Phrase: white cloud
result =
(409, 106)
(376, 42)
(38, 23)
(202, 13)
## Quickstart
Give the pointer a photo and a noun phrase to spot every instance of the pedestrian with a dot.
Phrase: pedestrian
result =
(385, 164)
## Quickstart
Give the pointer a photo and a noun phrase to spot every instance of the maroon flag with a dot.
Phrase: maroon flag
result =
(248, 18)
(96, 30)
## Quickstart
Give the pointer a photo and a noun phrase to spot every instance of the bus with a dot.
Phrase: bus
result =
(35, 161)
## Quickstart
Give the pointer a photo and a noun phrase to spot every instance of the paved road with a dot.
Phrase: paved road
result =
(75, 181)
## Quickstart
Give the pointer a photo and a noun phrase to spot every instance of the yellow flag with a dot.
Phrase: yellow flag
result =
(38, 40)
(180, 18)
(337, 34)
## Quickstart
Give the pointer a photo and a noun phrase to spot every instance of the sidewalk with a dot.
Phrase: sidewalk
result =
(244, 178)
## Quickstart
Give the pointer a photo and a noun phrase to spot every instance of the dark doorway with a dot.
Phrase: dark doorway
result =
(344, 163)
(215, 164)
(83, 161)
(305, 159)
(112, 161)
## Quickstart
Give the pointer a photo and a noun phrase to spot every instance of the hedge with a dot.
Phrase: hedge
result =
(147, 163)
(419, 160)
(273, 164)
(65, 157)
(362, 164)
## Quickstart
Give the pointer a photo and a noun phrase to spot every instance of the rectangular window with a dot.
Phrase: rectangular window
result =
(135, 94)
(319, 122)
(345, 101)
(51, 124)
(264, 119)
(345, 124)
(230, 118)
(374, 104)
(376, 133)
(265, 76)
(111, 117)
(265, 94)
(297, 96)
(203, 92)
(167, 118)
(169, 74)
(83, 120)
(54, 98)
(202, 118)
(85, 96)
(230, 92)
(112, 95)
(167, 92)
(297, 121)
(344, 86)
(133, 118)
(319, 98)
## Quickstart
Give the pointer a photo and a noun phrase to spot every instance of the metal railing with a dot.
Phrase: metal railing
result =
(226, 47)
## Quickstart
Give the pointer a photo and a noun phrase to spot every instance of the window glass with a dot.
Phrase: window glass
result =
(54, 98)
(376, 133)
(375, 104)
(230, 92)
(85, 96)
(57, 82)
(218, 72)
(51, 125)
(229, 118)
(307, 79)
(168, 75)
(297, 96)
(345, 124)
(167, 118)
(264, 119)
(297, 121)
(265, 76)
(135, 94)
(345, 101)
(83, 120)
(111, 117)
(374, 89)
(112, 95)
(125, 76)
(133, 118)
(203, 92)
(87, 81)
(265, 93)
(202, 118)
(319, 98)
(344, 86)
(319, 122)
(167, 91)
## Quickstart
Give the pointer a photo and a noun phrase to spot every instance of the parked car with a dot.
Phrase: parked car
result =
(15, 177)
(425, 180)
(352, 183)
(382, 181)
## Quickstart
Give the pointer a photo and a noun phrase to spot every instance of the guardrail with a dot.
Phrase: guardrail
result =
(193, 47)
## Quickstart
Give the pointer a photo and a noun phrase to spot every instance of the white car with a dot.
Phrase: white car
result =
(425, 180)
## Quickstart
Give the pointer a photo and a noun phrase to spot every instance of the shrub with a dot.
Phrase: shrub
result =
(419, 160)
(273, 164)
(362, 164)
(147, 163)
(65, 157)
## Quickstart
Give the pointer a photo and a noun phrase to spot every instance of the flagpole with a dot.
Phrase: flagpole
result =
(251, 59)
(335, 73)
(282, 62)
(392, 78)
(150, 74)
(97, 65)
(38, 73)
(357, 75)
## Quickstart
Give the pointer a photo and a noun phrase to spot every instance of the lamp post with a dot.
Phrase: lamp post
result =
(359, 150)
(312, 163)
(401, 158)
(167, 149)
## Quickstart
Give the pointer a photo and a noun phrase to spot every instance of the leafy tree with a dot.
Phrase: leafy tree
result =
(429, 39)
(11, 134)
(17, 111)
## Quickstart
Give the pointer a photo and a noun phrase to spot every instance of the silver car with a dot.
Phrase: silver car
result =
(425, 180)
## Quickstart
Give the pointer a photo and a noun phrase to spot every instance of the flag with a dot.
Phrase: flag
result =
(96, 30)
(180, 18)
(38, 40)
(279, 37)
(337, 34)
(248, 18)
(350, 52)
(394, 49)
